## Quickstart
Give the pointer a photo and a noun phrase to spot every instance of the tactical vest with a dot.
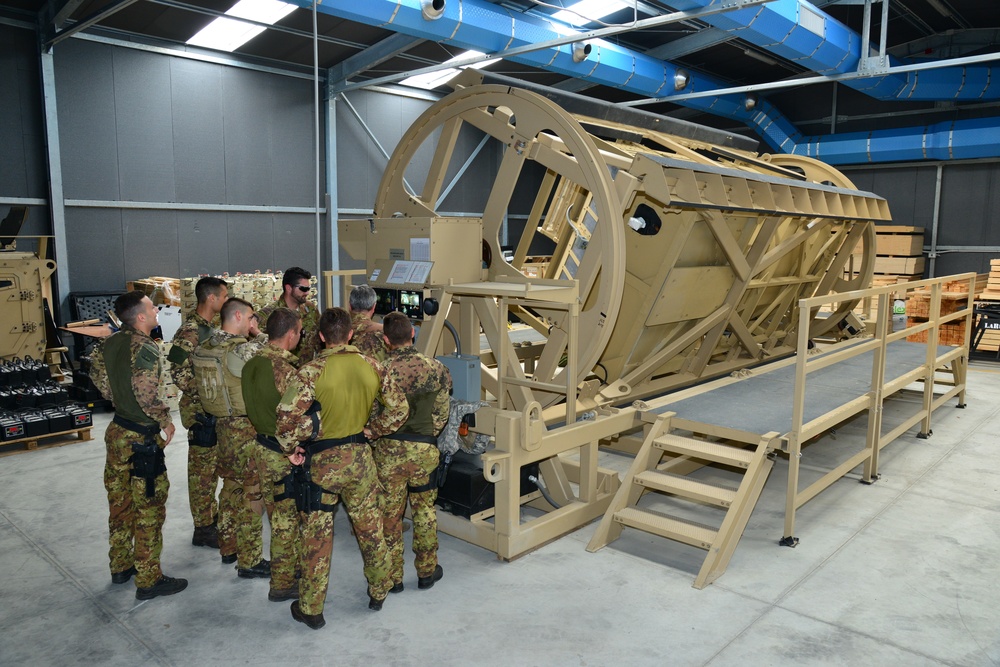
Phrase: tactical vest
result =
(261, 395)
(217, 372)
(118, 362)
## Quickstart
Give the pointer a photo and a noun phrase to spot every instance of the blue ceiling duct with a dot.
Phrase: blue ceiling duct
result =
(483, 26)
(799, 32)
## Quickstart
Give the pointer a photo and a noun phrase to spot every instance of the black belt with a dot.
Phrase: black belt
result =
(412, 437)
(317, 446)
(269, 442)
(136, 427)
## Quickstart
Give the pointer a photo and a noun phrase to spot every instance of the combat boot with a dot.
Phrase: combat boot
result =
(427, 582)
(165, 586)
(206, 536)
(282, 594)
(123, 576)
(314, 621)
(397, 587)
(260, 570)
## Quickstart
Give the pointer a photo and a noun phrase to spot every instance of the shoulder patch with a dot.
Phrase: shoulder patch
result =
(177, 355)
(147, 358)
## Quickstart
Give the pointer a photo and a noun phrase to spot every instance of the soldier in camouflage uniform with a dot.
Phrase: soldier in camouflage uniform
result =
(266, 378)
(295, 285)
(240, 505)
(367, 332)
(346, 384)
(126, 370)
(203, 478)
(408, 459)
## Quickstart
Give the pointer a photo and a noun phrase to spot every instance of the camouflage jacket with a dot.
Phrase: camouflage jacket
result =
(353, 392)
(427, 385)
(244, 351)
(309, 345)
(146, 368)
(368, 337)
(183, 343)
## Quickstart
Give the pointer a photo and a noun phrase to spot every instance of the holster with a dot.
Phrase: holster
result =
(308, 495)
(203, 431)
(148, 463)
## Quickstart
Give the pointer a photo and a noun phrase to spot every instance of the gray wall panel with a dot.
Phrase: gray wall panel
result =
(907, 203)
(202, 243)
(251, 242)
(294, 241)
(198, 132)
(144, 126)
(86, 93)
(248, 137)
(94, 237)
(13, 166)
(964, 205)
(952, 263)
(293, 155)
(150, 244)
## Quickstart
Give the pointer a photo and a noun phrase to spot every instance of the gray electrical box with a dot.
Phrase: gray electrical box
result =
(465, 379)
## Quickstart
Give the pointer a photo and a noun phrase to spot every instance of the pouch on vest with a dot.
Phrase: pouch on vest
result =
(217, 373)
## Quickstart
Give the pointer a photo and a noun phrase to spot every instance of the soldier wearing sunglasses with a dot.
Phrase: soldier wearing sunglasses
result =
(296, 285)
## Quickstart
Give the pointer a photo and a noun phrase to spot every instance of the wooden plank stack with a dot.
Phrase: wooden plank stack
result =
(899, 252)
(954, 297)
(991, 337)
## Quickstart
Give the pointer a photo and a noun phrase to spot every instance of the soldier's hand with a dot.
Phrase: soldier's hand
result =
(168, 434)
(297, 457)
(368, 433)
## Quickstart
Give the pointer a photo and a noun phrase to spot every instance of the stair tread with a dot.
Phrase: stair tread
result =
(686, 531)
(685, 486)
(713, 451)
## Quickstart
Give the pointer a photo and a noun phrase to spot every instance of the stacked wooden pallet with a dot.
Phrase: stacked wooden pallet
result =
(954, 297)
(160, 289)
(991, 337)
(899, 252)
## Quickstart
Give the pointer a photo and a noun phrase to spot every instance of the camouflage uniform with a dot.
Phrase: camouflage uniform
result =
(278, 366)
(368, 337)
(405, 463)
(202, 462)
(309, 344)
(136, 521)
(347, 385)
(240, 507)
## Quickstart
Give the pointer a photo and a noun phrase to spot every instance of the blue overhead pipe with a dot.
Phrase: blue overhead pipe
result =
(483, 26)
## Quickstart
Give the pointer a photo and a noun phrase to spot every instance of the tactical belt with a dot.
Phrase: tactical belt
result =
(269, 442)
(136, 427)
(412, 437)
(317, 446)
(432, 483)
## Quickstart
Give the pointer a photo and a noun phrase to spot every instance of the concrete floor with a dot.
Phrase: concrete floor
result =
(903, 572)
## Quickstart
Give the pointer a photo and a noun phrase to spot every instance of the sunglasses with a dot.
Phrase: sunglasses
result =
(303, 288)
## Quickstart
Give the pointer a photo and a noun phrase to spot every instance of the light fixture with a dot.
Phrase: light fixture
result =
(750, 102)
(580, 51)
(432, 80)
(229, 34)
(432, 10)
(681, 79)
(756, 55)
(587, 11)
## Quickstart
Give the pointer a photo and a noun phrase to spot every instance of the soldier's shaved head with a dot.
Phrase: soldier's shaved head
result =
(280, 322)
(128, 306)
(208, 286)
(232, 306)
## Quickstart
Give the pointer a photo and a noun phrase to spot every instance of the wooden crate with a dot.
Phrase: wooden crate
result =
(900, 265)
(899, 240)
(45, 441)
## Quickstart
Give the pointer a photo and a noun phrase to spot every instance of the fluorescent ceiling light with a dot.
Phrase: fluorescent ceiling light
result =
(586, 11)
(226, 34)
(432, 80)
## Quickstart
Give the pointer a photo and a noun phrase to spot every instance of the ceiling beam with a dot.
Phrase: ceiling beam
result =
(83, 24)
(374, 55)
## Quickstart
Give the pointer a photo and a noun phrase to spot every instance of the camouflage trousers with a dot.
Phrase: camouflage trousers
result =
(203, 482)
(402, 464)
(284, 517)
(135, 523)
(240, 506)
(348, 471)
(202, 474)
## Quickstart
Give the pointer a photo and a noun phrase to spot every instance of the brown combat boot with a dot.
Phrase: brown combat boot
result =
(206, 536)
(314, 621)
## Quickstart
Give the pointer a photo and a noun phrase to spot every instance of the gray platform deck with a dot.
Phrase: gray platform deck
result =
(763, 402)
